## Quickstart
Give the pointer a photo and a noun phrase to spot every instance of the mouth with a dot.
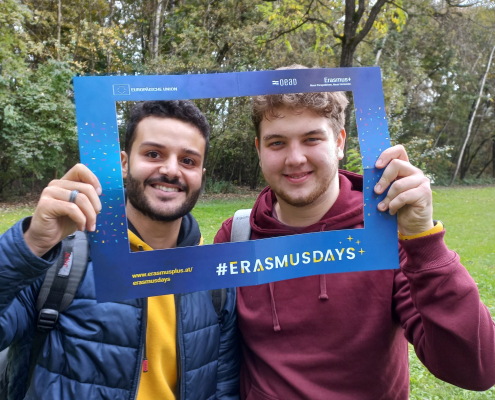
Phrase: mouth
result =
(298, 177)
(166, 189)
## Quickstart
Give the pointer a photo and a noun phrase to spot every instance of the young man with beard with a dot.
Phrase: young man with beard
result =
(345, 336)
(165, 347)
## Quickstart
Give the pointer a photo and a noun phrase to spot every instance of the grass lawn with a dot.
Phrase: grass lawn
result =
(211, 213)
(469, 217)
(9, 215)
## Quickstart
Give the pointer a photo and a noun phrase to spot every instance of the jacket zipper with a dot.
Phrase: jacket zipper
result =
(178, 333)
(142, 352)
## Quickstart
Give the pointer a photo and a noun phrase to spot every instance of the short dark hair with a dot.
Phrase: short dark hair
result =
(183, 110)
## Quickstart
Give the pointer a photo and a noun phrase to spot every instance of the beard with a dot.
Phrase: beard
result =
(322, 186)
(135, 194)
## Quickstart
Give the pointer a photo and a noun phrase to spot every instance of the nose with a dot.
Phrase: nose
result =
(170, 167)
(295, 155)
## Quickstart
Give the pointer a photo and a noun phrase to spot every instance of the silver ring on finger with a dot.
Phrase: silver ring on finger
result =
(73, 195)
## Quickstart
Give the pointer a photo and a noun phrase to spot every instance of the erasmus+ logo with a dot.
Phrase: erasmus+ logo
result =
(337, 80)
(121, 90)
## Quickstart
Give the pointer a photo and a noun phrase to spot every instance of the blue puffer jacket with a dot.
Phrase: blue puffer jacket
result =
(95, 350)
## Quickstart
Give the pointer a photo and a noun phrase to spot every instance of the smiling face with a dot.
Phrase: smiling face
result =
(299, 156)
(165, 168)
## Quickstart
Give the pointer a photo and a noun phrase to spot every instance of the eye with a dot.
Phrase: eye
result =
(313, 140)
(189, 161)
(152, 154)
(275, 144)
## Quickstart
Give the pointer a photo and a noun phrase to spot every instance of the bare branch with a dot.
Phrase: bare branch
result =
(335, 34)
(375, 10)
(399, 7)
(287, 31)
(360, 11)
(304, 20)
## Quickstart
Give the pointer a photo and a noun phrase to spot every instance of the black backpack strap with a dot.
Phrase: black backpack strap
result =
(58, 290)
(218, 298)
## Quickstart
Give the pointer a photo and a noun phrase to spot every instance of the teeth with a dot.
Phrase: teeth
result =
(297, 176)
(167, 189)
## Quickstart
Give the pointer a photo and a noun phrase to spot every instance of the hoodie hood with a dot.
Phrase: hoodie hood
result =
(346, 213)
(189, 235)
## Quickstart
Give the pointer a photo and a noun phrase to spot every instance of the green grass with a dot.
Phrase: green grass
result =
(469, 217)
(9, 215)
(211, 214)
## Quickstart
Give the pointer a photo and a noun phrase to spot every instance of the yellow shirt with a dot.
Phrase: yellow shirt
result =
(161, 379)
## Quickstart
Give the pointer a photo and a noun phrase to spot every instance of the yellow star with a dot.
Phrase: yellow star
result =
(357, 241)
(349, 238)
(361, 251)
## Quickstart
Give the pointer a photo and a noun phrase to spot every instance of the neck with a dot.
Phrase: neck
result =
(311, 213)
(157, 234)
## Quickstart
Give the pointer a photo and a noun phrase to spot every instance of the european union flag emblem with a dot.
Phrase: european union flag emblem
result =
(121, 90)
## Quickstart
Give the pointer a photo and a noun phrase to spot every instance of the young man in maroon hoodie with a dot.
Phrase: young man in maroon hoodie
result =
(345, 336)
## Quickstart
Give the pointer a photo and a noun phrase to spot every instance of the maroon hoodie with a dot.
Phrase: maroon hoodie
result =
(343, 336)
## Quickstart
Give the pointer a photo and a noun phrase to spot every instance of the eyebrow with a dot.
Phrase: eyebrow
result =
(309, 133)
(161, 146)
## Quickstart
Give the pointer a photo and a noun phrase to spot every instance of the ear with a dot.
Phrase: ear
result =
(204, 171)
(341, 144)
(124, 163)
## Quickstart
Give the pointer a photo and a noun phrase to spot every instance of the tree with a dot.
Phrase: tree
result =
(472, 116)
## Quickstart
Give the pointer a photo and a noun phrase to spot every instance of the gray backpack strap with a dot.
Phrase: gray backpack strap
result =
(241, 228)
(71, 267)
(58, 291)
(79, 265)
(241, 231)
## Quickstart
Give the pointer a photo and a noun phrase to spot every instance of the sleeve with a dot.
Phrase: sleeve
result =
(438, 304)
(20, 278)
(229, 355)
(223, 234)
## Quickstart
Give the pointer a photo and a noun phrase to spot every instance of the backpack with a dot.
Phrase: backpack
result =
(57, 293)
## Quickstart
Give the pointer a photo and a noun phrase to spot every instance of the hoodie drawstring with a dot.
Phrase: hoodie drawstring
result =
(276, 324)
(323, 280)
(323, 296)
(323, 288)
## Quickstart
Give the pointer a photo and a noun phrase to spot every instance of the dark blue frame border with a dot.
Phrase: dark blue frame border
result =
(219, 266)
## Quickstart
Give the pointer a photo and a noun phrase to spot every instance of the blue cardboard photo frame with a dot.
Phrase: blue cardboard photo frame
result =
(121, 275)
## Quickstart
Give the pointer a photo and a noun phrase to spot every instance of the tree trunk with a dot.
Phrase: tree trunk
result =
(78, 31)
(493, 158)
(91, 38)
(156, 28)
(486, 165)
(111, 5)
(351, 39)
(472, 117)
(59, 27)
(379, 52)
(445, 126)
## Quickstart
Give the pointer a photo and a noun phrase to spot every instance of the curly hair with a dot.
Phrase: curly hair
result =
(331, 105)
(183, 110)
